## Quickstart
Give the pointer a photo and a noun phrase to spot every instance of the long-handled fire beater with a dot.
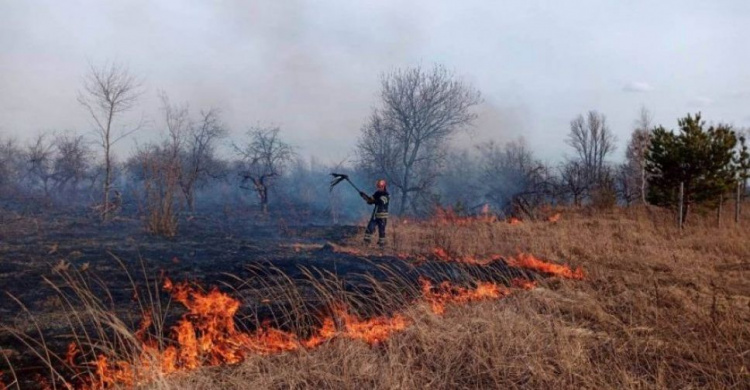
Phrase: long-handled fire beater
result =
(339, 177)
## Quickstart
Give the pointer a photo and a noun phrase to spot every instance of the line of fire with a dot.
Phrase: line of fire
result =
(114, 334)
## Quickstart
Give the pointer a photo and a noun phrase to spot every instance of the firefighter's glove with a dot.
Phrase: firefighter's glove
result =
(365, 197)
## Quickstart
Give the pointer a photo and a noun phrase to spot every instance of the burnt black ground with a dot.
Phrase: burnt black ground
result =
(234, 252)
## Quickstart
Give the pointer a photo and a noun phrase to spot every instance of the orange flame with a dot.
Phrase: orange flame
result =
(71, 354)
(207, 335)
(554, 218)
(523, 260)
(523, 284)
(445, 293)
(372, 331)
(528, 261)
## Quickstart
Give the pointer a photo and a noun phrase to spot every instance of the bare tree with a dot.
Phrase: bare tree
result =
(593, 142)
(574, 180)
(159, 168)
(626, 186)
(156, 166)
(635, 154)
(72, 161)
(39, 157)
(11, 164)
(513, 179)
(198, 159)
(264, 158)
(191, 145)
(177, 120)
(405, 139)
(107, 93)
(57, 162)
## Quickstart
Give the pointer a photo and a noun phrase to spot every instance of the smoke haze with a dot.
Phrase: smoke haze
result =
(313, 68)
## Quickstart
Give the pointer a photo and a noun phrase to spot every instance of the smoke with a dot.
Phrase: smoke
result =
(313, 68)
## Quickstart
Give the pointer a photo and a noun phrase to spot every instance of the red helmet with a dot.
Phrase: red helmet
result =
(380, 184)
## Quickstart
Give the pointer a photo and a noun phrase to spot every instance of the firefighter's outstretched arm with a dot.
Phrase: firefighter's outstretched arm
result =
(366, 197)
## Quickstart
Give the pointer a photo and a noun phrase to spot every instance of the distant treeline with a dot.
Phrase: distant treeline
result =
(405, 141)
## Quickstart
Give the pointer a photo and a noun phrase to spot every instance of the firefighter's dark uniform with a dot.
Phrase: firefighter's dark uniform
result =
(379, 216)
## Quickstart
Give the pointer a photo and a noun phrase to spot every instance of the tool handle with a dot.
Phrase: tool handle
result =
(366, 197)
(355, 187)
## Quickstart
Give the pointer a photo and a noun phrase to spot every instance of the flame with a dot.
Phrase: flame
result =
(523, 260)
(3, 386)
(445, 293)
(372, 331)
(71, 354)
(528, 261)
(554, 218)
(523, 284)
(207, 335)
(326, 332)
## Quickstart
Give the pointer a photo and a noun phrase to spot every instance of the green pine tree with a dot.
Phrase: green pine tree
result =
(743, 163)
(704, 160)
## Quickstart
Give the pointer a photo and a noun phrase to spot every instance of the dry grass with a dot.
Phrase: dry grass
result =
(659, 309)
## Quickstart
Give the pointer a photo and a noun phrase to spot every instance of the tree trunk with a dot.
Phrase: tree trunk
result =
(404, 201)
(107, 162)
(264, 200)
(190, 199)
(404, 193)
(45, 182)
(107, 178)
(643, 183)
(685, 209)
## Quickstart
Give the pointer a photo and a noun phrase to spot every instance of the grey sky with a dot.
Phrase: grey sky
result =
(312, 67)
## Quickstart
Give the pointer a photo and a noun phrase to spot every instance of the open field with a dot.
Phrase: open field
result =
(195, 195)
(657, 308)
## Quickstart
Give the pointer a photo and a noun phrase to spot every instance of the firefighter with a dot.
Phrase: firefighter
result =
(379, 216)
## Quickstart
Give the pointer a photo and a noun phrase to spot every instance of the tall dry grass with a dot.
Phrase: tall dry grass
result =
(161, 186)
(660, 308)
